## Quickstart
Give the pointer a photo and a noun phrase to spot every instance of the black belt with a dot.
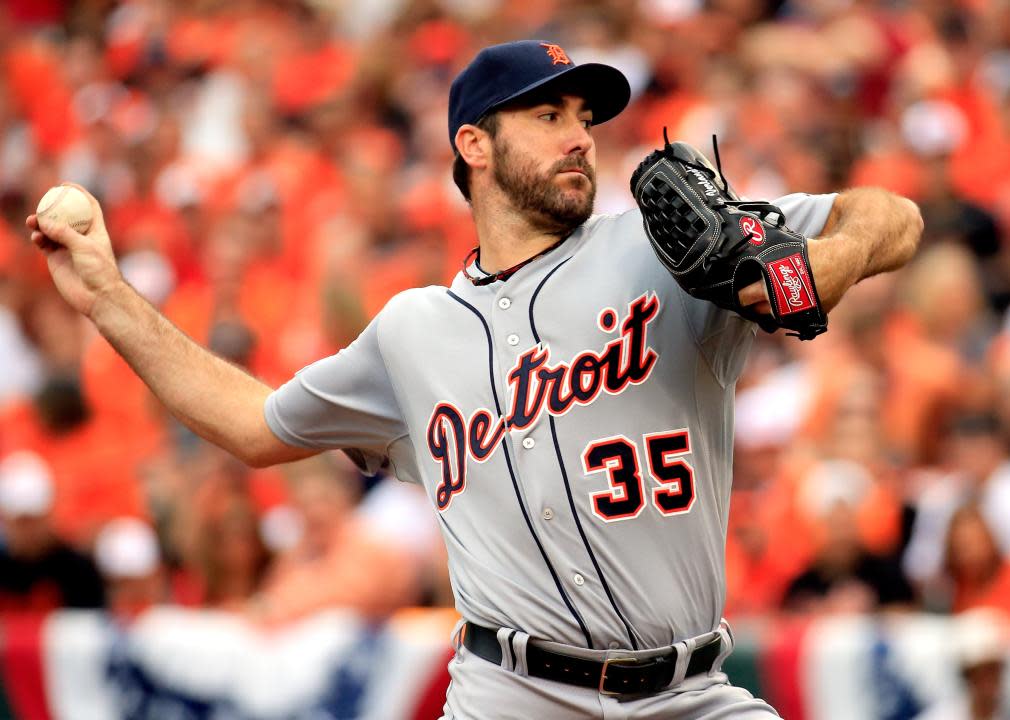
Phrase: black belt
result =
(614, 676)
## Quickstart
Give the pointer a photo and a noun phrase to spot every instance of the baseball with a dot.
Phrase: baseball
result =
(65, 203)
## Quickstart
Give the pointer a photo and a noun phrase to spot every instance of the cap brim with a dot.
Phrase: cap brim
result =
(604, 88)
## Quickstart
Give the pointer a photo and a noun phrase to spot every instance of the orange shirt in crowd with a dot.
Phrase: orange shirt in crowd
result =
(265, 297)
(117, 397)
(93, 470)
(34, 73)
(924, 377)
(754, 584)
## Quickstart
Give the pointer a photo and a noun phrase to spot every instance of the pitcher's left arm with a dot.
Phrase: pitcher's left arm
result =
(868, 231)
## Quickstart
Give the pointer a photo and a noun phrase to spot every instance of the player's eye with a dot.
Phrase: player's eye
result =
(587, 123)
(549, 116)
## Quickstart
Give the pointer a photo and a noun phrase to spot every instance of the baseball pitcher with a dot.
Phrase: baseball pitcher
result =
(567, 404)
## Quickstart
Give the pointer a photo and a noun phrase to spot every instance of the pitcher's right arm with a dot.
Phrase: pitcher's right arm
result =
(215, 399)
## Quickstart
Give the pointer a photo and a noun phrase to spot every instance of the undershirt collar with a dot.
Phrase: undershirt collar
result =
(472, 260)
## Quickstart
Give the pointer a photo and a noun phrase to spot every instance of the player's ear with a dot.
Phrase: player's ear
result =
(473, 145)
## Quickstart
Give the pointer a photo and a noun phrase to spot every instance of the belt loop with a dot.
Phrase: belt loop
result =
(456, 636)
(513, 650)
(726, 633)
(505, 636)
(519, 642)
(725, 626)
(684, 650)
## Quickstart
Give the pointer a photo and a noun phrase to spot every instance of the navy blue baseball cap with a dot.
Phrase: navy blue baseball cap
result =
(503, 73)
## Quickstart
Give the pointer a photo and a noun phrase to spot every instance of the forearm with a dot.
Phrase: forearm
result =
(869, 231)
(212, 397)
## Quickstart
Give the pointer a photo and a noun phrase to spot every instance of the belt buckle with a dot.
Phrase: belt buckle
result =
(603, 673)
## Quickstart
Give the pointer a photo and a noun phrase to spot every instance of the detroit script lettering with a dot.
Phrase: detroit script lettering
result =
(535, 385)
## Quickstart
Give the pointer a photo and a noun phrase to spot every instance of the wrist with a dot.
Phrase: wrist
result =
(835, 267)
(849, 249)
(109, 301)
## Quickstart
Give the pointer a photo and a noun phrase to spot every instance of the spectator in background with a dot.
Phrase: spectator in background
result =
(931, 346)
(127, 554)
(38, 571)
(231, 559)
(90, 463)
(19, 357)
(980, 651)
(843, 575)
(977, 570)
(247, 149)
(947, 215)
(756, 571)
(400, 513)
(976, 470)
(339, 560)
(207, 507)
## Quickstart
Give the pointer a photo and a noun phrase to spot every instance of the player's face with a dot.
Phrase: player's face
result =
(545, 162)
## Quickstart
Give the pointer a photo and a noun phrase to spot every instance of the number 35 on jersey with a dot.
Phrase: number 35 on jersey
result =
(619, 458)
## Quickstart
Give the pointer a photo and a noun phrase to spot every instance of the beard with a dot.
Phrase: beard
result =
(548, 207)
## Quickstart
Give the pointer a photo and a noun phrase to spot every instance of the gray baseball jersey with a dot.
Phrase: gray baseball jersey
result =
(572, 426)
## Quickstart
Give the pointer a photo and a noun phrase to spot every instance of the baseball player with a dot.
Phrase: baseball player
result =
(566, 405)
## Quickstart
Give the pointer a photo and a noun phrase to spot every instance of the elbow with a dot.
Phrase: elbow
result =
(913, 228)
(259, 455)
(255, 454)
(250, 456)
(256, 461)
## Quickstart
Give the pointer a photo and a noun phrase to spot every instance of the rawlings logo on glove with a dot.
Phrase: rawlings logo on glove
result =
(715, 244)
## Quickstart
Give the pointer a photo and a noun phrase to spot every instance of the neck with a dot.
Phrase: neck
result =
(507, 237)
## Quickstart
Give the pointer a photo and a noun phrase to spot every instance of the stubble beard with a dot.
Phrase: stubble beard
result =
(548, 206)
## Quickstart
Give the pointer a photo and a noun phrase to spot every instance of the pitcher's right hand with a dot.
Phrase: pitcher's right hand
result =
(82, 266)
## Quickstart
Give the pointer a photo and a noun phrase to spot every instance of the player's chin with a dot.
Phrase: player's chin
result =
(576, 188)
(570, 211)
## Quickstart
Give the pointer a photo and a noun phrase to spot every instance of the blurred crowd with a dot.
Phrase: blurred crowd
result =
(272, 171)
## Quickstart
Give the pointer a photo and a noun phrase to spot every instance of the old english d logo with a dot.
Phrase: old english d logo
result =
(556, 54)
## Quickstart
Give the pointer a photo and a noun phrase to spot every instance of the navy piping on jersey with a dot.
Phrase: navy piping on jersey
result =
(564, 476)
(515, 483)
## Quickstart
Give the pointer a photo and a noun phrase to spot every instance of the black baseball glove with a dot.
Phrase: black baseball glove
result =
(714, 244)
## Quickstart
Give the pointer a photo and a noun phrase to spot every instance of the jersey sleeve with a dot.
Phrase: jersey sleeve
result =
(345, 401)
(806, 214)
(723, 336)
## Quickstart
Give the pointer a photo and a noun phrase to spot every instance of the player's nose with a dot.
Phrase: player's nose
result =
(577, 138)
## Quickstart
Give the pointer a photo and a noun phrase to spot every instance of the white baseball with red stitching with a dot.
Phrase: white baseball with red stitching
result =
(65, 203)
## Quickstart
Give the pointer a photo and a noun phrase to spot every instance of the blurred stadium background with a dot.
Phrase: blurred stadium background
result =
(272, 171)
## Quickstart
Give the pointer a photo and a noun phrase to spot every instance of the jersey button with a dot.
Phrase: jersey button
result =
(504, 303)
(548, 514)
(512, 339)
(579, 580)
(528, 443)
(614, 645)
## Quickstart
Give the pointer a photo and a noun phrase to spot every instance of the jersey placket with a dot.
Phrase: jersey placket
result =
(585, 573)
(513, 337)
